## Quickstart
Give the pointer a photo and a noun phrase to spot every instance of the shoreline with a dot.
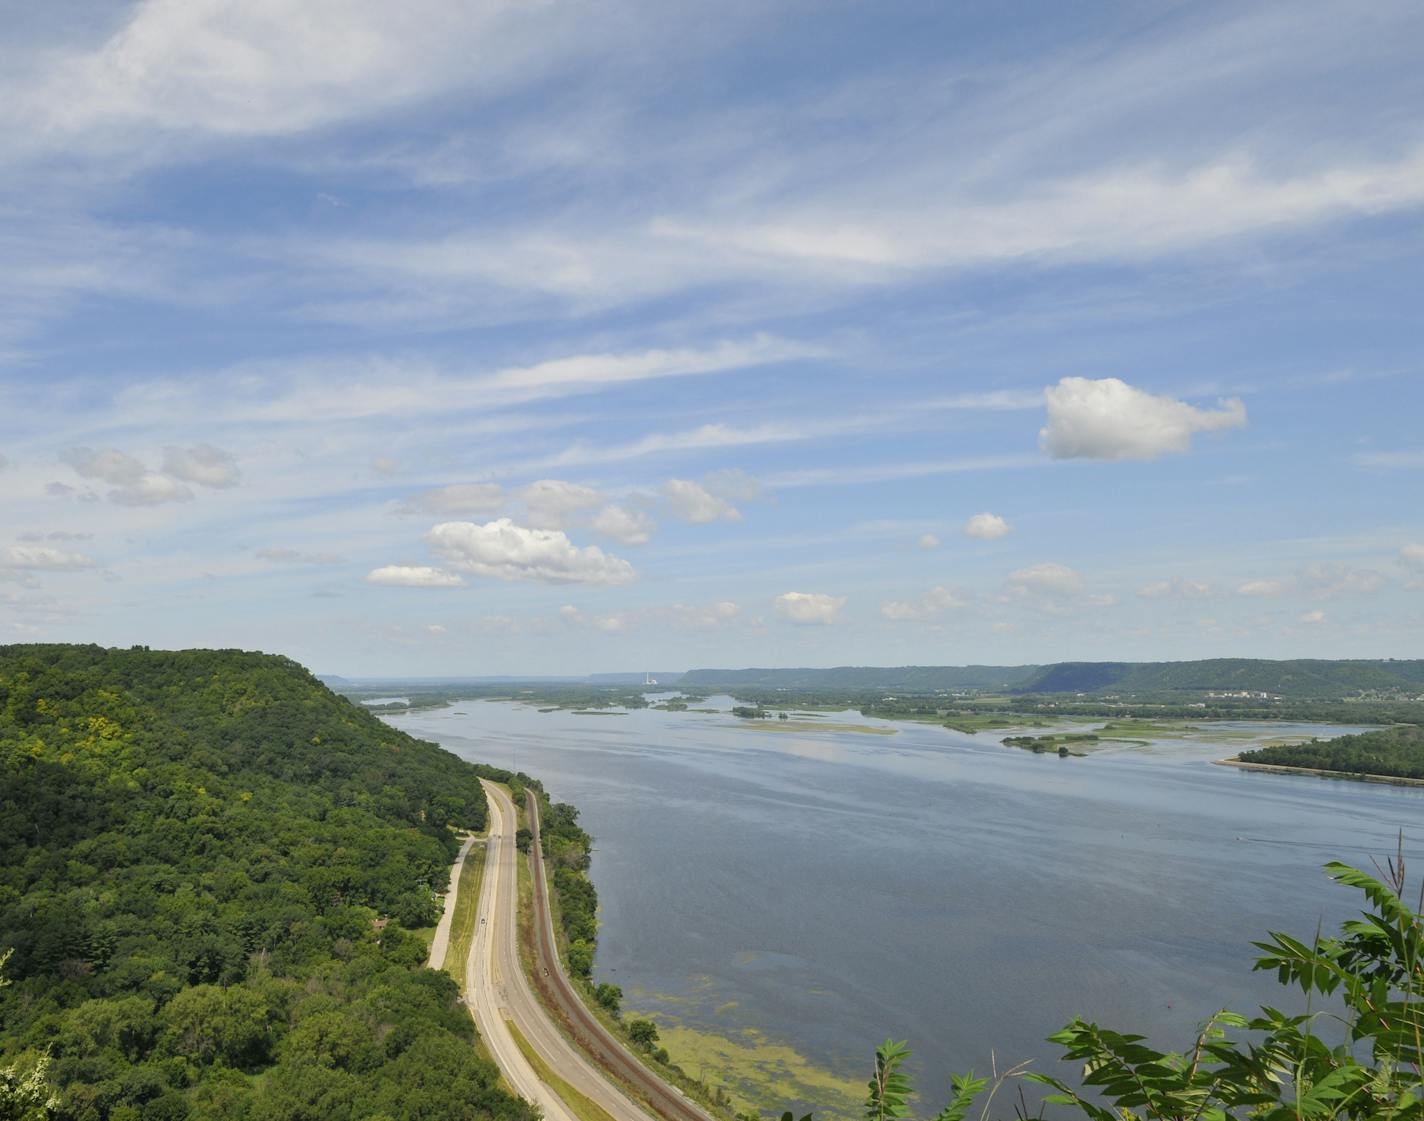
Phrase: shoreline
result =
(1387, 780)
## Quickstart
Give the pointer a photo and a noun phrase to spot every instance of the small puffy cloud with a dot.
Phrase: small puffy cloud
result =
(130, 482)
(108, 465)
(631, 527)
(691, 502)
(987, 527)
(512, 552)
(413, 576)
(928, 541)
(295, 556)
(1047, 579)
(436, 629)
(457, 498)
(932, 603)
(1313, 617)
(1412, 556)
(1334, 581)
(550, 503)
(733, 484)
(1261, 589)
(43, 558)
(151, 489)
(704, 618)
(613, 623)
(809, 608)
(1105, 418)
(202, 464)
(1175, 589)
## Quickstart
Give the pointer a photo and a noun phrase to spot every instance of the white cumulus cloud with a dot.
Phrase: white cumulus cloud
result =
(928, 541)
(512, 552)
(202, 464)
(457, 498)
(43, 558)
(1412, 555)
(691, 502)
(1335, 581)
(733, 484)
(108, 465)
(631, 527)
(936, 600)
(151, 489)
(1261, 589)
(1047, 579)
(610, 623)
(550, 503)
(987, 527)
(413, 576)
(1105, 418)
(809, 608)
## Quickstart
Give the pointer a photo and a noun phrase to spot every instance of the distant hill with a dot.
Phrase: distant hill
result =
(662, 677)
(1301, 677)
(918, 679)
(1296, 678)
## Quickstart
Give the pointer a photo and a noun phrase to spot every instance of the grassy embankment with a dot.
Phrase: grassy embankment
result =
(585, 1109)
(463, 922)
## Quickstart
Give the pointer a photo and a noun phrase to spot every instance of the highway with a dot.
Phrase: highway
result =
(612, 1053)
(498, 991)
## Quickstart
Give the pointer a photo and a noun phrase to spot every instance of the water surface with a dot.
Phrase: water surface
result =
(827, 889)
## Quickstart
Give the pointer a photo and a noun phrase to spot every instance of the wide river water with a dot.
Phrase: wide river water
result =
(781, 901)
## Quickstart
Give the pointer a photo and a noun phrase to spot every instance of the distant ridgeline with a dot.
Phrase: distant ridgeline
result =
(1299, 678)
(209, 864)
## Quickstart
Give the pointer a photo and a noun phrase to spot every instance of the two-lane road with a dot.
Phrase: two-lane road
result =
(498, 991)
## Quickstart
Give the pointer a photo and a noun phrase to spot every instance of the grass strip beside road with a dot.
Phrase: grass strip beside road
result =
(467, 906)
(584, 1108)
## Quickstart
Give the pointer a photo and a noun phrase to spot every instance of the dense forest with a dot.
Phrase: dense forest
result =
(1396, 752)
(210, 869)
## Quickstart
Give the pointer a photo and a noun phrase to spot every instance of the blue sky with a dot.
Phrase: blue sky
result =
(474, 337)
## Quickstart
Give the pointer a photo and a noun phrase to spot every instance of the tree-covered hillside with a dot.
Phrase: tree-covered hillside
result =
(918, 679)
(1396, 752)
(1300, 678)
(209, 865)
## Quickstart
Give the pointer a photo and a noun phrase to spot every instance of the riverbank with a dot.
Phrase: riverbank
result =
(1320, 772)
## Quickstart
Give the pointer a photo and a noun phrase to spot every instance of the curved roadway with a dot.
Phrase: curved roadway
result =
(498, 991)
(612, 1053)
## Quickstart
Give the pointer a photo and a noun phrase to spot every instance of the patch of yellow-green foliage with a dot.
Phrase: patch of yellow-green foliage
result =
(756, 1070)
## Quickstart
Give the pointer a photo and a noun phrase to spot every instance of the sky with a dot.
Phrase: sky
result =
(469, 337)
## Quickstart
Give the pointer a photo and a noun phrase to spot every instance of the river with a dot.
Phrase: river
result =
(782, 900)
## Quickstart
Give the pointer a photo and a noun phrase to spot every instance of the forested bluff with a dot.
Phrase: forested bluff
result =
(210, 868)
